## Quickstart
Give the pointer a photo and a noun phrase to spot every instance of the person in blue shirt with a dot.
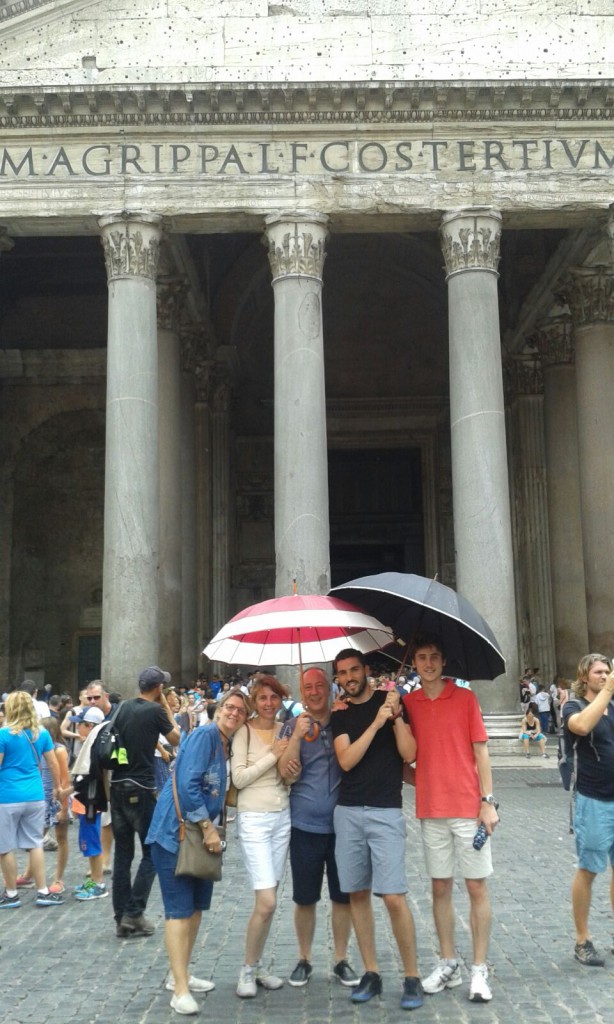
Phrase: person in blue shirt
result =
(22, 799)
(200, 772)
(313, 798)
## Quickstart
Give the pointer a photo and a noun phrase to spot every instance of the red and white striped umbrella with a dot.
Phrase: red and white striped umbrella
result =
(296, 630)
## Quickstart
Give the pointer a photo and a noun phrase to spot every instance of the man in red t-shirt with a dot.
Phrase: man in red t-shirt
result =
(453, 782)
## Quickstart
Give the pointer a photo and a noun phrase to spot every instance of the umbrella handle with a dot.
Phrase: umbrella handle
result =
(314, 731)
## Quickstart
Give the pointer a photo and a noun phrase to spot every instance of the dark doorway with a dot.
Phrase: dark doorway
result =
(376, 516)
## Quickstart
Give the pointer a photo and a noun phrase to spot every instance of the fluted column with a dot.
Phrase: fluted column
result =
(554, 341)
(7, 471)
(529, 497)
(591, 300)
(191, 639)
(220, 498)
(204, 505)
(482, 525)
(296, 245)
(130, 614)
(171, 291)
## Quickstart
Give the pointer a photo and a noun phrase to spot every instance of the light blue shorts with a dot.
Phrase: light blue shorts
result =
(370, 849)
(594, 828)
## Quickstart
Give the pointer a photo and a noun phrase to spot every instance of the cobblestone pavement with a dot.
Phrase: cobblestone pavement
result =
(65, 964)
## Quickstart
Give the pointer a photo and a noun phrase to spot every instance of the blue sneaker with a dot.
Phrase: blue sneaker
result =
(413, 995)
(9, 902)
(370, 985)
(92, 892)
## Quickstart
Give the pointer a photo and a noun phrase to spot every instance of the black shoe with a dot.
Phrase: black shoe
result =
(301, 974)
(123, 932)
(137, 925)
(345, 974)
(586, 953)
(370, 985)
(413, 994)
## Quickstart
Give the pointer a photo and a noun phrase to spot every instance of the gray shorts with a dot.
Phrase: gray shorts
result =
(22, 826)
(370, 849)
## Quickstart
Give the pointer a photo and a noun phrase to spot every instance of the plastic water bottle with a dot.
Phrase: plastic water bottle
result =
(480, 837)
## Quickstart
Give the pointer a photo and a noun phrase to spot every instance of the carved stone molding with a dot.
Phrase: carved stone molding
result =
(195, 348)
(170, 295)
(203, 378)
(554, 340)
(470, 240)
(590, 294)
(523, 375)
(296, 245)
(131, 244)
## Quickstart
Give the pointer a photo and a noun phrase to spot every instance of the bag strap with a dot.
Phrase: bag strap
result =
(178, 809)
(38, 760)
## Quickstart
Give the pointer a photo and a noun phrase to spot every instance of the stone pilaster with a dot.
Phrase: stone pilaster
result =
(171, 292)
(555, 344)
(530, 512)
(220, 494)
(130, 618)
(610, 229)
(203, 380)
(6, 532)
(590, 294)
(296, 245)
(482, 523)
(191, 638)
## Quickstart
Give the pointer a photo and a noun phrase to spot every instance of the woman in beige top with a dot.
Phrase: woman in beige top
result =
(263, 817)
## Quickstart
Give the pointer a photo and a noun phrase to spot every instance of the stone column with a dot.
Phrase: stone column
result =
(529, 496)
(7, 470)
(482, 526)
(170, 297)
(554, 341)
(130, 625)
(591, 300)
(191, 639)
(204, 474)
(296, 245)
(220, 498)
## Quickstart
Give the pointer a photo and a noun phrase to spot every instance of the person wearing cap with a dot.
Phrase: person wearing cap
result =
(313, 798)
(90, 841)
(133, 797)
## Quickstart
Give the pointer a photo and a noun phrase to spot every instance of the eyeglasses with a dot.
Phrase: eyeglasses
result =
(95, 696)
(236, 710)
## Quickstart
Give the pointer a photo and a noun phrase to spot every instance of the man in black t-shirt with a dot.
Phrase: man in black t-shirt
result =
(371, 742)
(133, 797)
(588, 717)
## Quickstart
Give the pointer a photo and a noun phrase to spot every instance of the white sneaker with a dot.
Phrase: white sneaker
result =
(266, 980)
(246, 989)
(447, 974)
(196, 984)
(479, 991)
(185, 1005)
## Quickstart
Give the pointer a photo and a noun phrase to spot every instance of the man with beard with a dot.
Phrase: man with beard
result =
(371, 742)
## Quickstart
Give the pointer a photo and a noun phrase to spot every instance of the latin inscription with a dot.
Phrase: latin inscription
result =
(333, 156)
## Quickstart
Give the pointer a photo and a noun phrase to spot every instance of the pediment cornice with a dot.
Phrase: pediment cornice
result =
(318, 103)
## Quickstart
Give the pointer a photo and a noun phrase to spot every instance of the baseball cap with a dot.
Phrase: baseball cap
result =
(153, 676)
(92, 715)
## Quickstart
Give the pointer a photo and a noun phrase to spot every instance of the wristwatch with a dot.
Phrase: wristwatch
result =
(489, 799)
(206, 824)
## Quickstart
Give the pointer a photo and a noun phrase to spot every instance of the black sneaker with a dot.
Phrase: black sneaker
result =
(370, 985)
(49, 899)
(345, 974)
(413, 994)
(9, 902)
(586, 953)
(301, 974)
(137, 925)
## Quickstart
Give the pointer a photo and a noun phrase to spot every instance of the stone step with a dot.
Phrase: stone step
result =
(503, 730)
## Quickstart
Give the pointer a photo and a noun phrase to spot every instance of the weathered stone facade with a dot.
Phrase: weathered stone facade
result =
(368, 146)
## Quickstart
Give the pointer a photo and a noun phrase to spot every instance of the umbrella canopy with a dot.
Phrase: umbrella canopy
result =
(303, 628)
(414, 604)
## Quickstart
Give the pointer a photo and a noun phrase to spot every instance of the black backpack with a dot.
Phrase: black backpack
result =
(108, 751)
(567, 748)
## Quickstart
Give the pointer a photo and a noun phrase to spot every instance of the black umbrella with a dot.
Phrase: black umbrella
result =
(414, 604)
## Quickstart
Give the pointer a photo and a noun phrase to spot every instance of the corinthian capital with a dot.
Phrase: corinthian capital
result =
(523, 375)
(296, 244)
(170, 294)
(554, 340)
(131, 244)
(590, 294)
(470, 240)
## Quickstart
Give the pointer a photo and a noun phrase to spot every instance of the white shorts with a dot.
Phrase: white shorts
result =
(264, 837)
(445, 840)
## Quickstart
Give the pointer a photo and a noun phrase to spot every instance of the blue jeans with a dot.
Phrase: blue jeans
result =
(131, 813)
